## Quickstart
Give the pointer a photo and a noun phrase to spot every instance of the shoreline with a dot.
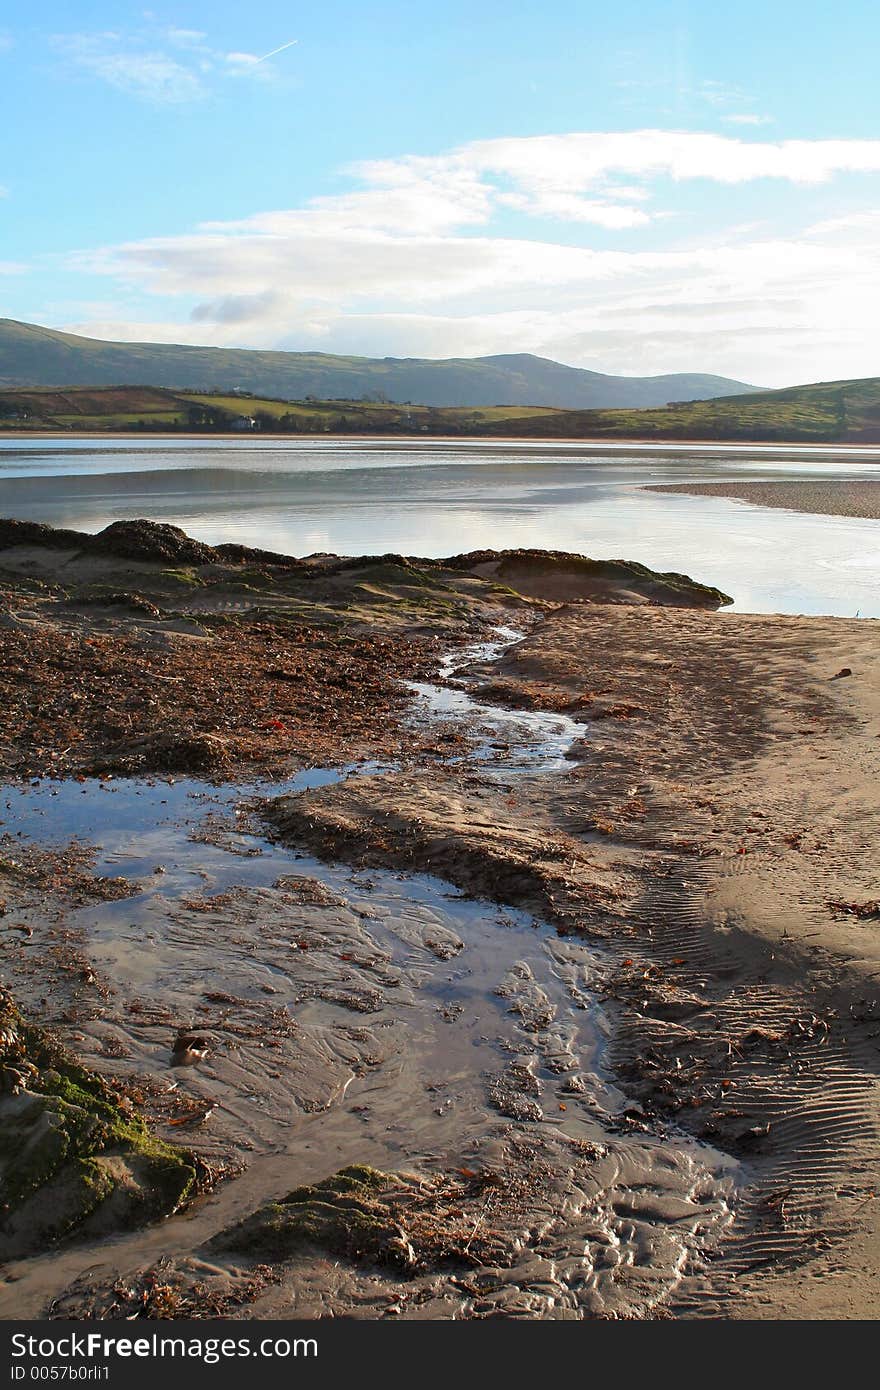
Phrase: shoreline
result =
(612, 442)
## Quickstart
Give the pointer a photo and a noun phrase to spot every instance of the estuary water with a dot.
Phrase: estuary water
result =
(442, 497)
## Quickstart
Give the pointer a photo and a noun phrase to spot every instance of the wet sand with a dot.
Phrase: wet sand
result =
(587, 971)
(824, 497)
(717, 837)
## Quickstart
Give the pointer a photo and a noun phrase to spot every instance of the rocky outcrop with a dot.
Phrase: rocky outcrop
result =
(557, 576)
(151, 540)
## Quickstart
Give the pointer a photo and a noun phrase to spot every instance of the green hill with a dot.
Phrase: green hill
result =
(828, 412)
(33, 356)
(153, 408)
(825, 412)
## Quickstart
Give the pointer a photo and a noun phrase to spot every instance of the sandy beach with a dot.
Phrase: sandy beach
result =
(566, 1010)
(825, 497)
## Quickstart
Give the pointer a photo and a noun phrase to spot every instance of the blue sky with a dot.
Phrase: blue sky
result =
(639, 188)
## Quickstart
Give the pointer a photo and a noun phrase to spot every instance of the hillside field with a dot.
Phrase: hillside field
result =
(828, 412)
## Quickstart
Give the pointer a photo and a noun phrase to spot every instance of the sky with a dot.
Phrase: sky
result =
(635, 188)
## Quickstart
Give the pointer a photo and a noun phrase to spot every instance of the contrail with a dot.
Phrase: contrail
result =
(276, 50)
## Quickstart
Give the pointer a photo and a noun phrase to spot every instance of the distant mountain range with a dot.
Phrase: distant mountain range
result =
(34, 356)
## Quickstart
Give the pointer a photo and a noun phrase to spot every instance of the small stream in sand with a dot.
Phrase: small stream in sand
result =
(510, 741)
(354, 1016)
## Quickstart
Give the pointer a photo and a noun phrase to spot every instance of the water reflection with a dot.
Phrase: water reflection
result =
(437, 497)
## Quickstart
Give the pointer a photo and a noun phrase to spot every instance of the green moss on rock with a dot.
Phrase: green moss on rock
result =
(343, 1215)
(72, 1153)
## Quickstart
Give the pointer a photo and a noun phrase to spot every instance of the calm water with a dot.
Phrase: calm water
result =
(438, 498)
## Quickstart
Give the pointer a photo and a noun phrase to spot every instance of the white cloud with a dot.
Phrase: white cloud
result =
(578, 161)
(165, 66)
(150, 74)
(577, 177)
(186, 38)
(110, 328)
(748, 118)
(241, 60)
(570, 207)
(414, 263)
(251, 60)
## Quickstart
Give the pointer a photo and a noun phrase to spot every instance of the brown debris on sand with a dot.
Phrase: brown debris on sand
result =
(252, 696)
(141, 650)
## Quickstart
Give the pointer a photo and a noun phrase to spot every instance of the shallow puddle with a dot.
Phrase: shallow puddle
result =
(222, 910)
(349, 1017)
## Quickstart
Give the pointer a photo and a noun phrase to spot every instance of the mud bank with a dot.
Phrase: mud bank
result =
(715, 838)
(565, 1009)
(350, 1018)
(828, 497)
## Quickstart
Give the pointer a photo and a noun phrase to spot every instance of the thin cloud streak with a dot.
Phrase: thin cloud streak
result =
(275, 51)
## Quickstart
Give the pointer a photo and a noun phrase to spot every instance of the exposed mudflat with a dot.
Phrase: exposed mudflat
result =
(825, 497)
(565, 965)
(350, 1018)
(716, 839)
